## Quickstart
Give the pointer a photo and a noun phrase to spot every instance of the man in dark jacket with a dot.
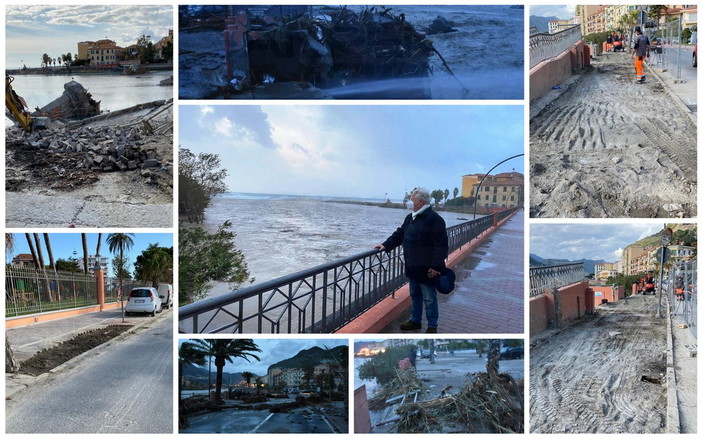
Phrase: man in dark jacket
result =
(425, 244)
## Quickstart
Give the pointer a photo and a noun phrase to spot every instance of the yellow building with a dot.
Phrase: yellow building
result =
(104, 53)
(500, 190)
(83, 48)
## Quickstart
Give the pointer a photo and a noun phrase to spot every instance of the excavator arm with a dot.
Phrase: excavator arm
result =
(16, 105)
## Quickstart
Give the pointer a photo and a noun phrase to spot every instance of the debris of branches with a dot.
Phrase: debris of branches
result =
(406, 382)
(484, 405)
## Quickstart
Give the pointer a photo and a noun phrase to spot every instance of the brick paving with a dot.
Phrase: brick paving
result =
(489, 294)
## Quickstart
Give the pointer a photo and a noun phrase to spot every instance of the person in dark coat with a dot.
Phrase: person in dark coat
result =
(425, 243)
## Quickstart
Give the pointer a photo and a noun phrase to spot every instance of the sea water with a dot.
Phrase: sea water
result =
(283, 234)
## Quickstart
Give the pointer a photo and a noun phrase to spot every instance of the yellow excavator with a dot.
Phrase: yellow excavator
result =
(18, 109)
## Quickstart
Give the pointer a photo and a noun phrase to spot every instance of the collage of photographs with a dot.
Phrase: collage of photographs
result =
(350, 219)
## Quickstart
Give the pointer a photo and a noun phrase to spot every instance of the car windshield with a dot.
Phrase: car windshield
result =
(140, 293)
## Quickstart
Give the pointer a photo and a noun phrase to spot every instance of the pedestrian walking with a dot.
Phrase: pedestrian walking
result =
(413, 356)
(425, 243)
(641, 44)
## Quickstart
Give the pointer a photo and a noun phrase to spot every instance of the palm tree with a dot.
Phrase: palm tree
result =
(493, 363)
(11, 365)
(247, 376)
(223, 351)
(84, 237)
(32, 251)
(45, 60)
(99, 244)
(9, 242)
(188, 353)
(118, 243)
(48, 250)
(40, 254)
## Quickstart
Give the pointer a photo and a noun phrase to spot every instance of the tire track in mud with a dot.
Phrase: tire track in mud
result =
(586, 379)
(630, 151)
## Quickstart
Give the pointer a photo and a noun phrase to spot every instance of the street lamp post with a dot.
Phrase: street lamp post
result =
(666, 235)
(475, 202)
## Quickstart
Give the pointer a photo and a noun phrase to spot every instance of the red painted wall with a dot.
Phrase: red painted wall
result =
(577, 300)
(556, 70)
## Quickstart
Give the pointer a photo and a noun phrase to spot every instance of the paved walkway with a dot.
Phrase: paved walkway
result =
(684, 86)
(489, 294)
(32, 210)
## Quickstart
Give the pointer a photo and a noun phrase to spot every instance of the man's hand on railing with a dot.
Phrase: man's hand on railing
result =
(380, 247)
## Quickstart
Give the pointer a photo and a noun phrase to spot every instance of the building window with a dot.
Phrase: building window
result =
(504, 188)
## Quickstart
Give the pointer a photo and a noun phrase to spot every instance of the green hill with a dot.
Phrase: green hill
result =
(312, 357)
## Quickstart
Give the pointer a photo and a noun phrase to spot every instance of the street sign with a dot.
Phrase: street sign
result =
(663, 252)
(666, 235)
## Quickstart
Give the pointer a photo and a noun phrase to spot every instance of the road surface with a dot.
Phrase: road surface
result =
(609, 147)
(125, 387)
(589, 378)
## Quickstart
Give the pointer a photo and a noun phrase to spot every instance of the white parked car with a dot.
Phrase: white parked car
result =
(143, 299)
(165, 292)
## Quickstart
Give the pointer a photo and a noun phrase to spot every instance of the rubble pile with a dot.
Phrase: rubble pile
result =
(103, 149)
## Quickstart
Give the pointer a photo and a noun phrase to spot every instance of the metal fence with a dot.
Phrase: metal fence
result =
(317, 300)
(680, 283)
(112, 288)
(543, 46)
(30, 291)
(669, 54)
(542, 279)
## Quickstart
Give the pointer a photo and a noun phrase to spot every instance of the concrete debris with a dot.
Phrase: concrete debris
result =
(105, 149)
(74, 103)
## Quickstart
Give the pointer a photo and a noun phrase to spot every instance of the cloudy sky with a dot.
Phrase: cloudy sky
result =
(32, 30)
(275, 350)
(353, 150)
(587, 241)
(561, 11)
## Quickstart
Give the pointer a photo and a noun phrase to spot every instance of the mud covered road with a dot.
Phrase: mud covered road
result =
(609, 147)
(588, 377)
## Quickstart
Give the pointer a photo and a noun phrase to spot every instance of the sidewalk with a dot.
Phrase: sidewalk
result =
(685, 89)
(489, 294)
(28, 340)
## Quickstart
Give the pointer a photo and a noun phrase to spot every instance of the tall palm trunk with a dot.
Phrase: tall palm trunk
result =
(50, 253)
(85, 252)
(40, 257)
(219, 362)
(32, 251)
(40, 254)
(97, 250)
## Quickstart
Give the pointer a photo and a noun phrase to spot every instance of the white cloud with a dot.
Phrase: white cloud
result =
(224, 127)
(206, 109)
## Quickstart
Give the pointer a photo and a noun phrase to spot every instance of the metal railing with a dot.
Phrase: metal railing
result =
(317, 300)
(30, 291)
(542, 279)
(543, 46)
(680, 283)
